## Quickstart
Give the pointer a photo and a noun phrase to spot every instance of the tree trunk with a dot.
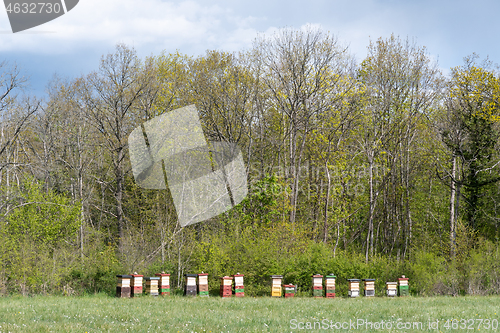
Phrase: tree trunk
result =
(327, 203)
(452, 207)
(369, 235)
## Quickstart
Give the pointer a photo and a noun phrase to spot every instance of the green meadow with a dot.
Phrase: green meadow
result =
(102, 313)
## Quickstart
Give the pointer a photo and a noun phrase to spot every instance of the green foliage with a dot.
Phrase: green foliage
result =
(42, 217)
(37, 236)
(341, 161)
(97, 272)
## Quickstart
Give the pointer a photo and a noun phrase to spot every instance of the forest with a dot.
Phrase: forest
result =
(369, 169)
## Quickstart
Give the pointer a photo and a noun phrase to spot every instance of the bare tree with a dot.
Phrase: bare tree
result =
(113, 96)
(304, 72)
(402, 85)
(14, 113)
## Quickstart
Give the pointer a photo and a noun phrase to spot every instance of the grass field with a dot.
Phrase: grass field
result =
(102, 313)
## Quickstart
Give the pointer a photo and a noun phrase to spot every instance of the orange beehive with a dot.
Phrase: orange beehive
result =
(203, 284)
(136, 287)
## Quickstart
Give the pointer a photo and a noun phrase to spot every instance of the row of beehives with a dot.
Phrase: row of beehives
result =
(197, 284)
(353, 287)
(131, 285)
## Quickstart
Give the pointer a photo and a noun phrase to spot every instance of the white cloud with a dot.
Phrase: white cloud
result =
(150, 24)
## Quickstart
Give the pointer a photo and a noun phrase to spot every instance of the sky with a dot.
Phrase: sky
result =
(73, 44)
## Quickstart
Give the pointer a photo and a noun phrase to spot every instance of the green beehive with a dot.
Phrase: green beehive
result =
(404, 288)
(317, 284)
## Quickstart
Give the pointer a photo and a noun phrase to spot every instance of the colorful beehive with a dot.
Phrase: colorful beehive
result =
(190, 285)
(203, 284)
(276, 288)
(164, 283)
(152, 285)
(353, 287)
(317, 285)
(226, 286)
(330, 286)
(404, 288)
(239, 288)
(136, 287)
(289, 290)
(392, 288)
(369, 287)
(123, 286)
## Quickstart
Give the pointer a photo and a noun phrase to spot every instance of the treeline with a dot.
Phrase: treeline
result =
(367, 170)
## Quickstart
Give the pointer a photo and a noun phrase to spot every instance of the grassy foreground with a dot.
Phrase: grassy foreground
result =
(103, 313)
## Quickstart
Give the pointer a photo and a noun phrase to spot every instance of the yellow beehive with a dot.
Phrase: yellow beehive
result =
(152, 285)
(276, 290)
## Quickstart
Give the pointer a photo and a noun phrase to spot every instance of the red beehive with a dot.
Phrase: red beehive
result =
(289, 290)
(317, 283)
(226, 285)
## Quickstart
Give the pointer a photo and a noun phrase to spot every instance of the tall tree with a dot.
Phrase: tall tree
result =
(403, 84)
(113, 96)
(304, 72)
(474, 105)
